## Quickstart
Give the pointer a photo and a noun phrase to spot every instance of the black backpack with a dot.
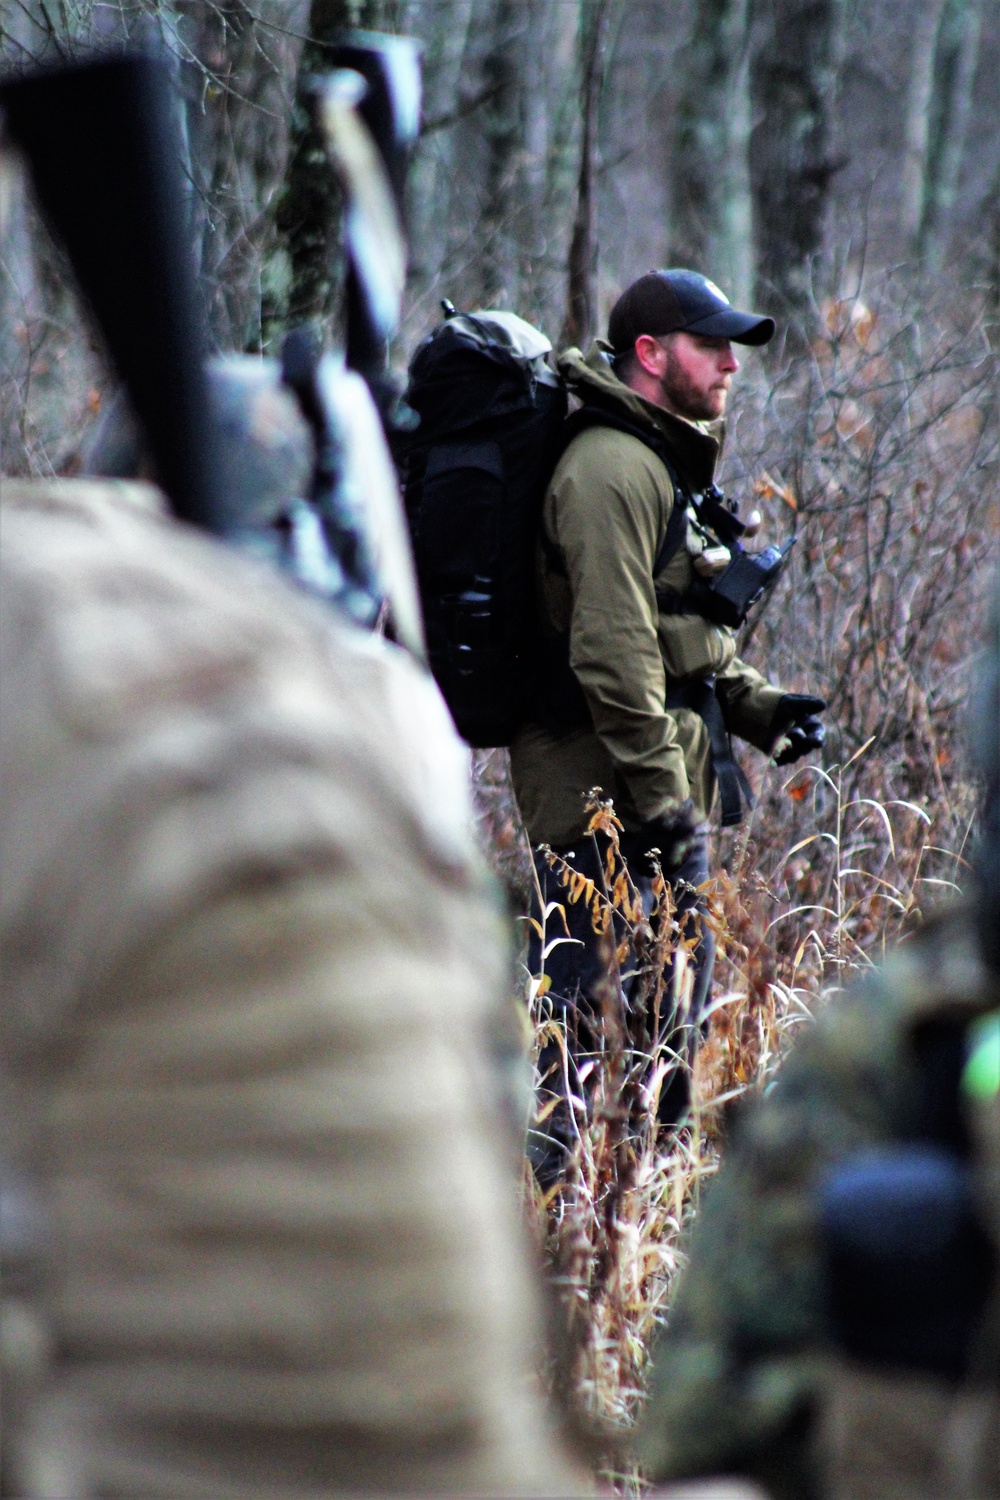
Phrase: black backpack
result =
(474, 477)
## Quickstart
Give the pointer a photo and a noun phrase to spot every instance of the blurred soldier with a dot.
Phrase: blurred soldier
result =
(265, 1219)
(643, 686)
(837, 1330)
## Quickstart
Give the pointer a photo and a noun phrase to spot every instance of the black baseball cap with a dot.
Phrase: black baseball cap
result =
(681, 302)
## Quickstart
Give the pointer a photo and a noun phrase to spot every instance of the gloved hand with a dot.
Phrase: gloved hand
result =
(795, 729)
(677, 834)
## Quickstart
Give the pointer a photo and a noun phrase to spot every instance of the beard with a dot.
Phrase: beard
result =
(688, 399)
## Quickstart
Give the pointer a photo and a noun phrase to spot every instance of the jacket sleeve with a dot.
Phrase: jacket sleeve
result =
(749, 702)
(607, 514)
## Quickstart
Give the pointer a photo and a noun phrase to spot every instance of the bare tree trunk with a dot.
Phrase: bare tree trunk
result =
(993, 261)
(429, 195)
(957, 56)
(308, 285)
(553, 106)
(371, 15)
(581, 299)
(238, 98)
(502, 130)
(794, 76)
(920, 93)
(493, 196)
(711, 228)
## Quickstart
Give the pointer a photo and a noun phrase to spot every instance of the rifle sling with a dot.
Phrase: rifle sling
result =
(702, 696)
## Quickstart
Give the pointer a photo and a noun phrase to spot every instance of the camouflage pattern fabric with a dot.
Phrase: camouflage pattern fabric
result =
(253, 972)
(744, 1379)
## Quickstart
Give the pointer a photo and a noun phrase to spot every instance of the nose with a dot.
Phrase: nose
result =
(729, 363)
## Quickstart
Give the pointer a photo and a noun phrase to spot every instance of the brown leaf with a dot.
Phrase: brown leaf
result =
(770, 488)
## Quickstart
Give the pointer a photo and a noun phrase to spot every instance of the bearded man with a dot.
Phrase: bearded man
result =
(642, 686)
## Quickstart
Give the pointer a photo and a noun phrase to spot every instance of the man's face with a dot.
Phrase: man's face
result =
(691, 372)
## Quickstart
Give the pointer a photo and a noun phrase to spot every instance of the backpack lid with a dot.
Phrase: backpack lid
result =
(474, 368)
(506, 331)
(499, 336)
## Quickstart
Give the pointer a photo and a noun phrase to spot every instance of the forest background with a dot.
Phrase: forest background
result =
(835, 163)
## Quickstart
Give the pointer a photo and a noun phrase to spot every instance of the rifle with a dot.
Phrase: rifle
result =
(368, 110)
(100, 141)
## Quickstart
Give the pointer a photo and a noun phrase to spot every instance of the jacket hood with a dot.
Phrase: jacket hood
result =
(695, 446)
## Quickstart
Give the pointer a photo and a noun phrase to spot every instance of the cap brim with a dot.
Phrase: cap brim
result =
(742, 328)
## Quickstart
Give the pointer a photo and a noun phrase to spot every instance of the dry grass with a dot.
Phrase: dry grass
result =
(613, 1228)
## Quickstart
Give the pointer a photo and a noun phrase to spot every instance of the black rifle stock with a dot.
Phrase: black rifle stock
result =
(100, 142)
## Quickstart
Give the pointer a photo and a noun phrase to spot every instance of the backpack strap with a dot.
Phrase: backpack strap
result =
(599, 416)
(702, 696)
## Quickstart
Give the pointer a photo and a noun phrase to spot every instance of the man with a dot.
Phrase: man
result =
(836, 1332)
(642, 688)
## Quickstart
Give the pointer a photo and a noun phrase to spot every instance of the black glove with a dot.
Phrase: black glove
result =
(795, 721)
(677, 835)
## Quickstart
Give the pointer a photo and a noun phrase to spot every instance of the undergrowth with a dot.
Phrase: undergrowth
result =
(875, 440)
(792, 924)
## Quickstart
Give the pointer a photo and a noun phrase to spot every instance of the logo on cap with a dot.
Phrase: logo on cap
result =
(717, 290)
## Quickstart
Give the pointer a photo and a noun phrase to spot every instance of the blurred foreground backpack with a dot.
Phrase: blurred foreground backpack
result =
(491, 416)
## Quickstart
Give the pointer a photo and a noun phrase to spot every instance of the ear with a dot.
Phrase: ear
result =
(651, 355)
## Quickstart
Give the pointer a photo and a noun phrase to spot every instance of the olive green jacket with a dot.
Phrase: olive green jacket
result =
(606, 514)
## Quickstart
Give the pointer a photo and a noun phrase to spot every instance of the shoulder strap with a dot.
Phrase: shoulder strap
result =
(600, 416)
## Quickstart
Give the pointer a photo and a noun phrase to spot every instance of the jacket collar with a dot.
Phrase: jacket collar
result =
(695, 446)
